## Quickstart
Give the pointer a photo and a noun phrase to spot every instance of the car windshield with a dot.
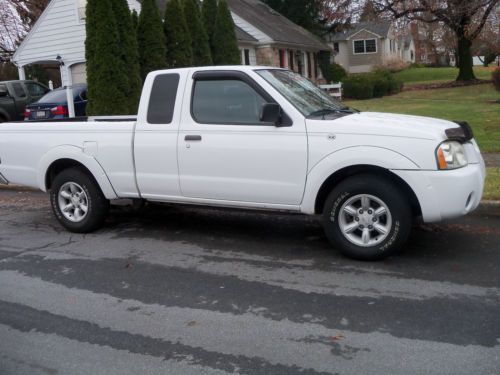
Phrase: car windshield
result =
(302, 93)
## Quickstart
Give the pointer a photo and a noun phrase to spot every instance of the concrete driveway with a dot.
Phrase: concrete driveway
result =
(200, 291)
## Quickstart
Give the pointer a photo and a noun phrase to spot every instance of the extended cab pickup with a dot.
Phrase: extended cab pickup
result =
(253, 138)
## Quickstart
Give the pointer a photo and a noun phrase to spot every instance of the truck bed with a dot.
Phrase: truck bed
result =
(25, 146)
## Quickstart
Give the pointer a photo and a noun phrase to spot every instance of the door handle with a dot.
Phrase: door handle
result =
(192, 138)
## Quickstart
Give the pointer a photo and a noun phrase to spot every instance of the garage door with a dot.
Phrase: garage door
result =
(79, 73)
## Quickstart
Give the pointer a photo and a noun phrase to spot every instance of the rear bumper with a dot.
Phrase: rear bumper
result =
(447, 194)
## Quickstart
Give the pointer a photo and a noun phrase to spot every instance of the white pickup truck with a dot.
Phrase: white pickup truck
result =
(253, 138)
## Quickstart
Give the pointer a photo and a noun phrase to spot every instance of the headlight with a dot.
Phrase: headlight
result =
(451, 155)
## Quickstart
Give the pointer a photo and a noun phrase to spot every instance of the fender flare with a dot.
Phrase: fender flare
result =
(74, 153)
(350, 157)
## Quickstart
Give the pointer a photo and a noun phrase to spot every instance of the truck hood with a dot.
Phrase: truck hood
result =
(384, 124)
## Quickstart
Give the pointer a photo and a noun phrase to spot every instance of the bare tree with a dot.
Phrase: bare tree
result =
(466, 18)
(16, 19)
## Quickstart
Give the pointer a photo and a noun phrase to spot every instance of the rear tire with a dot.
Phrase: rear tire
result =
(77, 201)
(367, 217)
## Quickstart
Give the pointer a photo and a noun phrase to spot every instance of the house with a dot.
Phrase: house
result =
(264, 37)
(429, 46)
(365, 45)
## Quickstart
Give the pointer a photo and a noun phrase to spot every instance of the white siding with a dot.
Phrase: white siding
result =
(250, 29)
(342, 58)
(58, 31)
(252, 54)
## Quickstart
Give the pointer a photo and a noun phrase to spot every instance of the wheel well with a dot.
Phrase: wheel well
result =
(58, 166)
(344, 173)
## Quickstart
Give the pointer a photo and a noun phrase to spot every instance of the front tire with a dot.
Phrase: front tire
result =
(77, 201)
(367, 217)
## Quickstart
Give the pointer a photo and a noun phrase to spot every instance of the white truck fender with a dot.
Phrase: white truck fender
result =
(74, 153)
(349, 157)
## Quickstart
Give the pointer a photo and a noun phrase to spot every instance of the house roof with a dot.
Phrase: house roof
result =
(379, 28)
(270, 22)
(243, 36)
(279, 28)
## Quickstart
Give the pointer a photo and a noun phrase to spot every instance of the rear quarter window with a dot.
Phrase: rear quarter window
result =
(162, 100)
(19, 90)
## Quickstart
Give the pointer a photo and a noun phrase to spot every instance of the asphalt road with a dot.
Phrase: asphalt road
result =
(202, 291)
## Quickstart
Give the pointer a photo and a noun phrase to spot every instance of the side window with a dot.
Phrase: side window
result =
(83, 95)
(4, 88)
(19, 90)
(162, 100)
(35, 89)
(231, 102)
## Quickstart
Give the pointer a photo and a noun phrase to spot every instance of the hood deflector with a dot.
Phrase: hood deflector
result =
(462, 134)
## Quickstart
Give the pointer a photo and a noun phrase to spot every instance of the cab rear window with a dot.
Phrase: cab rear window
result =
(162, 100)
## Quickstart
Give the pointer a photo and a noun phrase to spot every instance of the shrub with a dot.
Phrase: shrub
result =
(369, 85)
(358, 86)
(495, 76)
(393, 65)
(385, 83)
(336, 73)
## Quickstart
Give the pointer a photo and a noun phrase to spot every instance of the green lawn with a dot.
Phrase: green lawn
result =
(434, 75)
(470, 103)
(492, 187)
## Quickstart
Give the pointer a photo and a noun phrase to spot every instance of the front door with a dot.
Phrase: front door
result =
(227, 154)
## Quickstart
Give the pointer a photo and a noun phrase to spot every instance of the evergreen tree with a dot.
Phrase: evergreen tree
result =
(129, 54)
(150, 39)
(199, 38)
(226, 50)
(106, 75)
(179, 53)
(209, 15)
(135, 20)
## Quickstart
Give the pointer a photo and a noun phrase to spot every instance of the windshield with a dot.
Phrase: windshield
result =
(302, 93)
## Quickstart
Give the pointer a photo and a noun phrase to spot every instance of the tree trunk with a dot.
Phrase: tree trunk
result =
(464, 62)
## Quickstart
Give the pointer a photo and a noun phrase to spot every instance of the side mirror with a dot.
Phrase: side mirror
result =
(3, 93)
(271, 113)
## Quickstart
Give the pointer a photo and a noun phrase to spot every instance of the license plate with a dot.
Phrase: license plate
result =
(39, 114)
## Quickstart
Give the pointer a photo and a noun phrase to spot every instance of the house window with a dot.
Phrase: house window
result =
(336, 47)
(246, 56)
(82, 5)
(365, 46)
(290, 60)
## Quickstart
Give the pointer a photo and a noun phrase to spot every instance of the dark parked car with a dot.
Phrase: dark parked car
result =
(54, 105)
(15, 95)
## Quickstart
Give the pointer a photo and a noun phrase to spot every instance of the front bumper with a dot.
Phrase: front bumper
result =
(447, 194)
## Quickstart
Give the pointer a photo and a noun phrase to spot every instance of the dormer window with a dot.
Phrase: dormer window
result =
(81, 6)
